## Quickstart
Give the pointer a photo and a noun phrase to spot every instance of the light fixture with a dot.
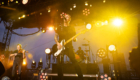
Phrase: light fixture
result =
(88, 26)
(117, 22)
(104, 1)
(51, 28)
(40, 64)
(90, 5)
(74, 5)
(112, 48)
(86, 3)
(33, 65)
(49, 10)
(24, 62)
(106, 22)
(47, 50)
(86, 12)
(23, 16)
(11, 0)
(43, 30)
(101, 53)
(70, 8)
(24, 2)
(16, 1)
(2, 3)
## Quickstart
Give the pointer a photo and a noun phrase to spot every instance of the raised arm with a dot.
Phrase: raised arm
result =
(23, 54)
(13, 54)
(56, 38)
(59, 46)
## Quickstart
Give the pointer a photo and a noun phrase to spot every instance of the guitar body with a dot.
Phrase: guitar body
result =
(63, 43)
(59, 51)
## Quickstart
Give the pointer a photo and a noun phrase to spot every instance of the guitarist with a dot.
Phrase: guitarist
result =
(66, 32)
(19, 55)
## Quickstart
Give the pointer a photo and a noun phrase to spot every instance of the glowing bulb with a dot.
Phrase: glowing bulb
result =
(51, 28)
(16, 1)
(23, 16)
(70, 8)
(24, 62)
(24, 2)
(112, 48)
(47, 51)
(117, 22)
(86, 3)
(88, 26)
(33, 61)
(74, 6)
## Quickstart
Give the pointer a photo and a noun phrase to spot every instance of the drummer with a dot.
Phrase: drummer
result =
(81, 53)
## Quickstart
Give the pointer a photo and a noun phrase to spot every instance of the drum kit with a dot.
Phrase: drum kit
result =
(86, 56)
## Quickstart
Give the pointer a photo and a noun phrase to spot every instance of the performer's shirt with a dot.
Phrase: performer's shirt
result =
(19, 56)
(80, 52)
(66, 33)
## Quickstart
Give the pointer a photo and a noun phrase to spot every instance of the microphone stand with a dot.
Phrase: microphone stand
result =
(89, 48)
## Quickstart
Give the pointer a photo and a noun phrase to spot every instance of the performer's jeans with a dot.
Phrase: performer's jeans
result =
(16, 63)
(70, 53)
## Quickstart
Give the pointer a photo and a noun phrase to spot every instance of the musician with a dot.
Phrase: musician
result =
(66, 32)
(19, 55)
(81, 53)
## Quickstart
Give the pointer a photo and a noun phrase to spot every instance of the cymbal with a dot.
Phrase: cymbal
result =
(87, 50)
(85, 44)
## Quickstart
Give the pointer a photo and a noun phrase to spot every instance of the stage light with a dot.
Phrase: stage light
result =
(90, 5)
(88, 26)
(2, 3)
(101, 53)
(51, 28)
(104, 1)
(33, 65)
(74, 5)
(112, 48)
(24, 61)
(70, 8)
(11, 0)
(47, 50)
(106, 22)
(24, 2)
(102, 23)
(16, 1)
(40, 64)
(86, 3)
(117, 22)
(23, 16)
(18, 17)
(49, 10)
(43, 30)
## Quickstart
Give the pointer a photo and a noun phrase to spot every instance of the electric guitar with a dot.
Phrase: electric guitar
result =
(63, 43)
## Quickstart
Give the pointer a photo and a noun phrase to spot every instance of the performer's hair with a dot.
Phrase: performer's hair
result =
(69, 16)
(19, 45)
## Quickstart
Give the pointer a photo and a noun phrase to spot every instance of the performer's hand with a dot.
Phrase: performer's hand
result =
(59, 46)
(23, 51)
(15, 54)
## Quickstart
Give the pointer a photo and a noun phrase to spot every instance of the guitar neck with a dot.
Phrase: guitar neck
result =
(74, 37)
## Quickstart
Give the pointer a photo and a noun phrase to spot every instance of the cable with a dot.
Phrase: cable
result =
(24, 34)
